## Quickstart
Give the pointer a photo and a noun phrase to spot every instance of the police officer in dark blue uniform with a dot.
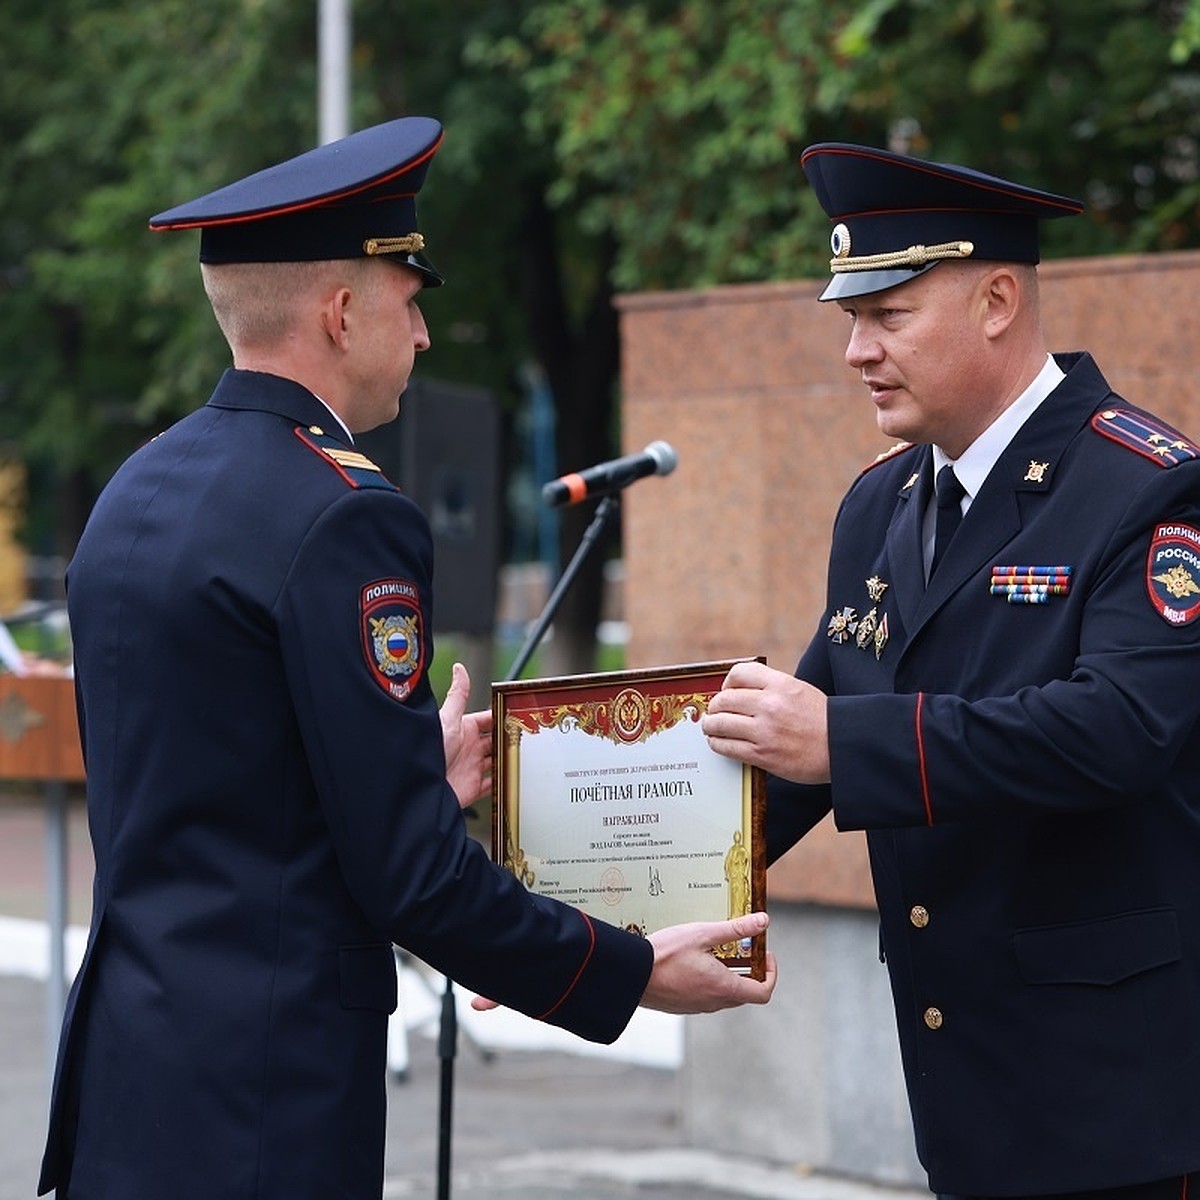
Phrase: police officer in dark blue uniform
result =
(1004, 692)
(272, 799)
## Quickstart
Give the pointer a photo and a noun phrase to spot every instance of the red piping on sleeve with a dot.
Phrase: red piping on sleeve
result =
(921, 762)
(582, 967)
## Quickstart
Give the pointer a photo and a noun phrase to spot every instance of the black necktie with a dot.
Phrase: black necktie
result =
(949, 513)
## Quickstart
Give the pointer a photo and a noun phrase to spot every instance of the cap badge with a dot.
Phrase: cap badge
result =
(839, 241)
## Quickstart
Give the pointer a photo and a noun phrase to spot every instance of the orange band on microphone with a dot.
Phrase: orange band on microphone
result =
(576, 487)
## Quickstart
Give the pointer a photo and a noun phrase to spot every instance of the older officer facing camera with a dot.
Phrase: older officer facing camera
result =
(268, 788)
(1004, 692)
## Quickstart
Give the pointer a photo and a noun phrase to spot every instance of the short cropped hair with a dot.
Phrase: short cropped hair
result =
(257, 304)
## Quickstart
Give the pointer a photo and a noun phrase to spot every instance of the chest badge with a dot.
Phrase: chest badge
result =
(866, 630)
(870, 631)
(842, 625)
(881, 637)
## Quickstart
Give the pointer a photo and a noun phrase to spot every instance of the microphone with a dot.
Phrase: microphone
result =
(658, 458)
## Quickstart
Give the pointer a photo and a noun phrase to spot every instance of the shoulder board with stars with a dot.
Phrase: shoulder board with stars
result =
(1146, 435)
(352, 465)
(888, 455)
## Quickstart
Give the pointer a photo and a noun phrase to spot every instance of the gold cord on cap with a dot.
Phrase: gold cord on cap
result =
(408, 244)
(914, 256)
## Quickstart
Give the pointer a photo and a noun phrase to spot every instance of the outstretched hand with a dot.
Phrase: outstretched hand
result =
(688, 978)
(467, 738)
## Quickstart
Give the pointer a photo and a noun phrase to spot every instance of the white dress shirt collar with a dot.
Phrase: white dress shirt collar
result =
(349, 435)
(976, 461)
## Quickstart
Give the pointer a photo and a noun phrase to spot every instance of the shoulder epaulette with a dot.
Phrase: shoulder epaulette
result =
(352, 465)
(888, 455)
(1145, 435)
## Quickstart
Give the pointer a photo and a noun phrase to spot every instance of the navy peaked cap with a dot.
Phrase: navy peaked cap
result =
(896, 217)
(351, 198)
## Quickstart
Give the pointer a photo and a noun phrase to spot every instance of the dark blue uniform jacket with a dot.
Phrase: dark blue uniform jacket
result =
(268, 806)
(1028, 775)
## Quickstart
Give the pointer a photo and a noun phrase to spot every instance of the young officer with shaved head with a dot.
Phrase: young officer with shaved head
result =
(273, 795)
(1004, 692)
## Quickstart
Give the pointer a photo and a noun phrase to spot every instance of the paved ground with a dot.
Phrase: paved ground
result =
(539, 1124)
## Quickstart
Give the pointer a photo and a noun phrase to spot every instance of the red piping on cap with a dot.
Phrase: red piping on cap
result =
(301, 206)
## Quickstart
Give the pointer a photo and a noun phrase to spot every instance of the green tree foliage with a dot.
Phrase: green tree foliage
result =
(119, 111)
(677, 124)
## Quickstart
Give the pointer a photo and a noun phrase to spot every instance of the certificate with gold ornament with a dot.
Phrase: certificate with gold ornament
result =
(607, 797)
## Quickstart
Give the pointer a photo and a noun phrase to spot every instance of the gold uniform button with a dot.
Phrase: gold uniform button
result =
(919, 916)
(933, 1018)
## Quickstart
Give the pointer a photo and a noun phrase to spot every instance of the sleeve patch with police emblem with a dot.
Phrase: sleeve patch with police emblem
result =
(1173, 573)
(392, 638)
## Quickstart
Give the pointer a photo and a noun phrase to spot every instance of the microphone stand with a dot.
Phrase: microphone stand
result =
(606, 510)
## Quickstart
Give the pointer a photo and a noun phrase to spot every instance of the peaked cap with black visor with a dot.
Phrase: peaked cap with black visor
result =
(897, 217)
(352, 198)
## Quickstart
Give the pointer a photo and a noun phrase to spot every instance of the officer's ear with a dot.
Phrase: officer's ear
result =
(1002, 292)
(335, 315)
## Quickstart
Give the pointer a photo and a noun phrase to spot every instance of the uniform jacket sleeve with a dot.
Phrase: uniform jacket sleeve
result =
(794, 808)
(377, 761)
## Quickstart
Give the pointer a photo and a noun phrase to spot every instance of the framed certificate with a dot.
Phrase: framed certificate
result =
(607, 797)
